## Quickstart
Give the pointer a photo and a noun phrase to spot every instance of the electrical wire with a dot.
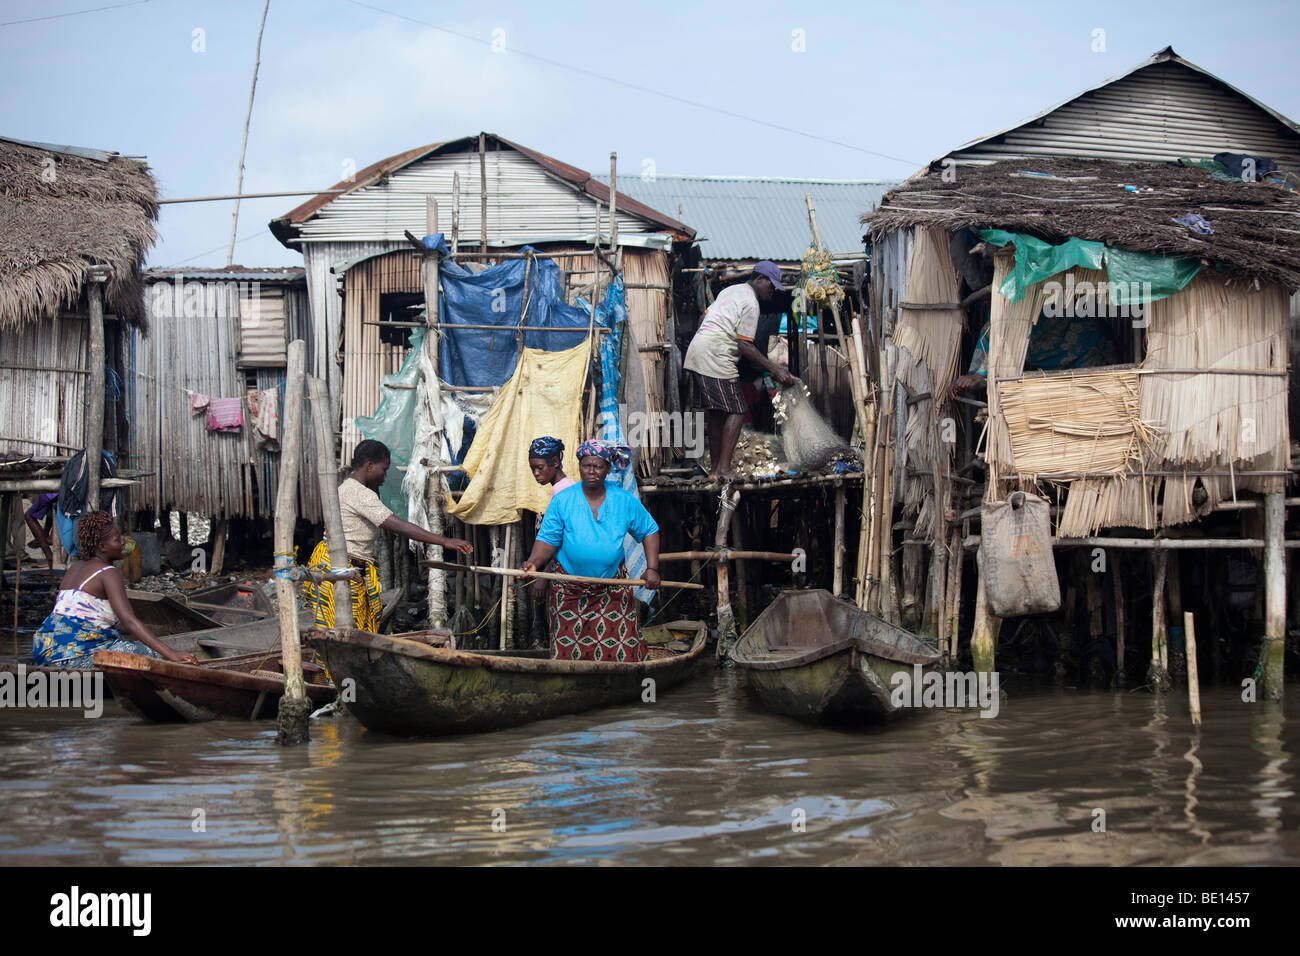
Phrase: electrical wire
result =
(74, 13)
(637, 86)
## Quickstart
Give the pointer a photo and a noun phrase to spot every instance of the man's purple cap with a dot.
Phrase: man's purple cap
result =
(768, 270)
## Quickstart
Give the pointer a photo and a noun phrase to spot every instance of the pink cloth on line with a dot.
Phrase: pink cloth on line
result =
(226, 415)
(198, 402)
(266, 418)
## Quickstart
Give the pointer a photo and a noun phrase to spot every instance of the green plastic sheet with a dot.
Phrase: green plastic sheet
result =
(1135, 277)
(393, 423)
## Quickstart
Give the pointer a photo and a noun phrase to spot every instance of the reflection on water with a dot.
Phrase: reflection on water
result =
(702, 776)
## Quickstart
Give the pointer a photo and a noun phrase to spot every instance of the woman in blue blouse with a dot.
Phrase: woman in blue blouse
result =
(584, 529)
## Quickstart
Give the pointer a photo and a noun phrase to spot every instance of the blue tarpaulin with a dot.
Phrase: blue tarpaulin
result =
(495, 296)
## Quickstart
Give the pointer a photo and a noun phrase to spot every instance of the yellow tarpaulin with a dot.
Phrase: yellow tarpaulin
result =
(543, 397)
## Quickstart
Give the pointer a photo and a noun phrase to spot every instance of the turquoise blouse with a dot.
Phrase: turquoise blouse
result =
(593, 546)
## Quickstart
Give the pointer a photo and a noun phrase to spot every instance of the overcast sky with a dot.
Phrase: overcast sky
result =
(892, 84)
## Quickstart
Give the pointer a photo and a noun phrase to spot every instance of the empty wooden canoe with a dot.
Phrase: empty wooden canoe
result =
(246, 687)
(407, 686)
(813, 656)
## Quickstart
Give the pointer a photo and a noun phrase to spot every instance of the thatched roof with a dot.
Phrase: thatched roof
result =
(1256, 225)
(61, 212)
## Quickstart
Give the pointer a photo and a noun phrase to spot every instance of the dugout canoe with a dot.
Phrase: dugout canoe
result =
(207, 643)
(406, 686)
(818, 658)
(235, 603)
(246, 687)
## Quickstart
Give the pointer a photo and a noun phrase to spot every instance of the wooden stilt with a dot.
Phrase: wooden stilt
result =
(1173, 603)
(1117, 582)
(1274, 595)
(984, 635)
(726, 617)
(742, 574)
(1193, 678)
(95, 280)
(956, 557)
(295, 707)
(837, 577)
(506, 639)
(219, 547)
(437, 579)
(1096, 620)
(327, 476)
(1158, 671)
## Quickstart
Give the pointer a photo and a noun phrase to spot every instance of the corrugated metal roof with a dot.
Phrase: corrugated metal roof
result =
(232, 274)
(1162, 109)
(397, 170)
(743, 217)
(85, 152)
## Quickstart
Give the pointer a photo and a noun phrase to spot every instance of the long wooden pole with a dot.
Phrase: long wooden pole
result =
(482, 191)
(327, 476)
(243, 146)
(1193, 678)
(1157, 672)
(295, 707)
(552, 576)
(1274, 595)
(433, 391)
(95, 389)
(726, 616)
(837, 545)
(1117, 582)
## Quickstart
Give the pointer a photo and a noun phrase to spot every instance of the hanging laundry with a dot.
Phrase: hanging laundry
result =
(198, 402)
(264, 406)
(226, 415)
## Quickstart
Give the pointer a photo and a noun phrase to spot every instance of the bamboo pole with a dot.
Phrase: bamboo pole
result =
(837, 576)
(243, 145)
(1117, 582)
(437, 598)
(726, 617)
(1157, 672)
(327, 477)
(95, 388)
(455, 213)
(482, 186)
(1274, 595)
(295, 707)
(1193, 678)
(613, 203)
(219, 547)
(952, 614)
(505, 638)
(18, 578)
(726, 554)
(553, 576)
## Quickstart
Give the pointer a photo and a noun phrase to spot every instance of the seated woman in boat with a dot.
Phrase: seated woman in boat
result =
(364, 516)
(92, 610)
(584, 529)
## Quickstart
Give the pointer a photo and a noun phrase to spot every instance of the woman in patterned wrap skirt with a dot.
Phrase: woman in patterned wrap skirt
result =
(584, 529)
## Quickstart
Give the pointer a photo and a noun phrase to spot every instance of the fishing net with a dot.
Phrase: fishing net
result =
(808, 441)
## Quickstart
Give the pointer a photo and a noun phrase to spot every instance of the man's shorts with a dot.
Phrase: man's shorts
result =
(719, 394)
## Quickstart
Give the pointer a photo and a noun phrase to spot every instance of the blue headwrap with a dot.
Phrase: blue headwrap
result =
(546, 447)
(618, 456)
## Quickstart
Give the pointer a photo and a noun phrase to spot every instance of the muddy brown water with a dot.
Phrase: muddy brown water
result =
(700, 777)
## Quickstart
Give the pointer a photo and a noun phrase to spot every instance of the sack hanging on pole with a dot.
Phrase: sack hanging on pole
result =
(1015, 557)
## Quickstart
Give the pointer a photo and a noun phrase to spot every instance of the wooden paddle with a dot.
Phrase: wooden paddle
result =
(550, 576)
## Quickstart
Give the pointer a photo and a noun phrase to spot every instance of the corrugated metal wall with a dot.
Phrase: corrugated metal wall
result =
(192, 347)
(525, 204)
(1156, 114)
(262, 326)
(43, 375)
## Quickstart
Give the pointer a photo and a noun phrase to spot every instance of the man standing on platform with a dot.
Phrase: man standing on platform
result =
(726, 333)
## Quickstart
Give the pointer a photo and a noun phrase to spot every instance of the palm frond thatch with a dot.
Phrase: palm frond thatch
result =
(59, 215)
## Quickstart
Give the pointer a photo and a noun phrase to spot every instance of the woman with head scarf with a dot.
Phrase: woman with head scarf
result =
(91, 614)
(584, 529)
(546, 461)
(364, 516)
